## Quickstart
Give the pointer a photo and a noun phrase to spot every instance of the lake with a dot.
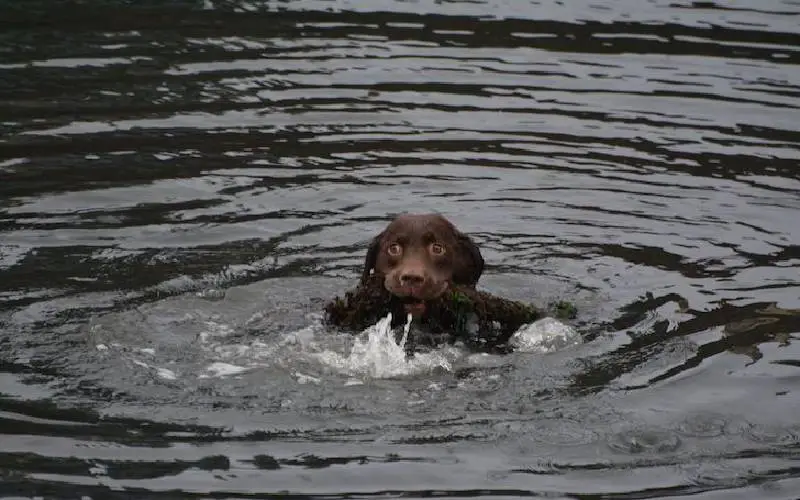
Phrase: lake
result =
(184, 184)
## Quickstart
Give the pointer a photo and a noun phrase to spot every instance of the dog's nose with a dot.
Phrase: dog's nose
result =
(411, 278)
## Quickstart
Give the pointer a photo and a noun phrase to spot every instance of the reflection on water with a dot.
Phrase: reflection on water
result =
(184, 183)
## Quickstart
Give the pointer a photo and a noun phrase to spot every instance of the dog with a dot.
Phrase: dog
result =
(420, 256)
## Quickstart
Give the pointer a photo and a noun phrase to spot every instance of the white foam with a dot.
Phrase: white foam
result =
(219, 369)
(163, 373)
(215, 330)
(302, 378)
(544, 335)
(166, 374)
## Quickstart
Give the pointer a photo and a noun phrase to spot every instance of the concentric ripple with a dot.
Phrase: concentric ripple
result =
(184, 183)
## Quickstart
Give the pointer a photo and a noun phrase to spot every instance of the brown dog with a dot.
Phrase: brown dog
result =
(420, 256)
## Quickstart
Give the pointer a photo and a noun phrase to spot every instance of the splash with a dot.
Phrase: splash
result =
(375, 354)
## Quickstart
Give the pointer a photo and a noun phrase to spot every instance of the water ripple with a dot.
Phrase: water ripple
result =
(185, 183)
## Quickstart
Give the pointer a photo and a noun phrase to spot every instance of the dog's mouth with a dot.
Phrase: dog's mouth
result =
(414, 306)
(415, 299)
(417, 293)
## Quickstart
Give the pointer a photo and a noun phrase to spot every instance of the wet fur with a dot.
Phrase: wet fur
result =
(467, 261)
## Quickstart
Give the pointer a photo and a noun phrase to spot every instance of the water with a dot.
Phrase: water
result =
(184, 184)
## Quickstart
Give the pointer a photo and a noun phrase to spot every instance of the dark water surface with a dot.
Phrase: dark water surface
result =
(183, 183)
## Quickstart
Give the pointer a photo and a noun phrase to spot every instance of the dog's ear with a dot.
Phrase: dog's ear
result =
(371, 259)
(468, 262)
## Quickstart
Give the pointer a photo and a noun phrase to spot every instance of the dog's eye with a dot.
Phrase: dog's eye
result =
(395, 249)
(437, 249)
